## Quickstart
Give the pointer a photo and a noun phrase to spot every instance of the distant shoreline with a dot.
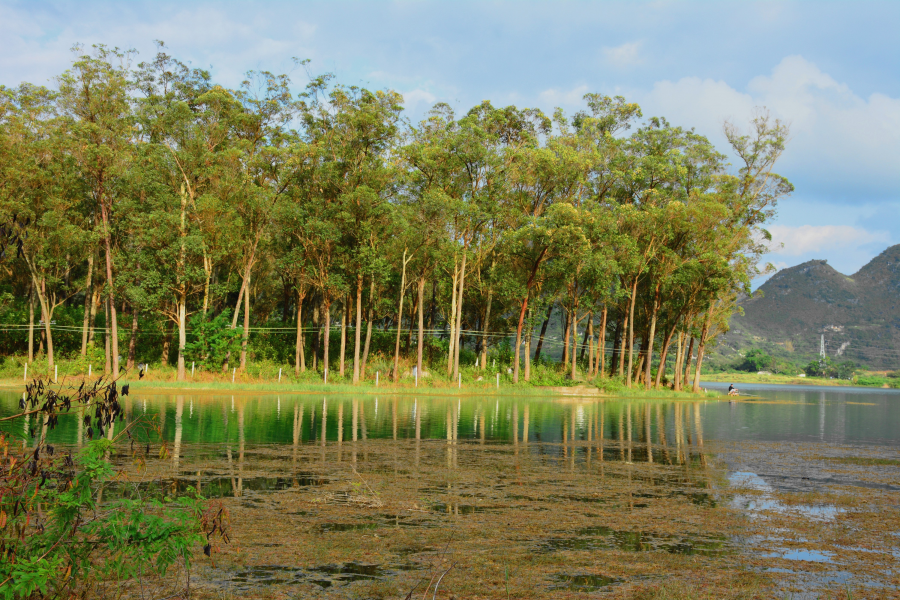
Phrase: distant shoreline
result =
(784, 380)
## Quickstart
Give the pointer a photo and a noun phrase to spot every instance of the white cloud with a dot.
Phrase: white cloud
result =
(797, 241)
(623, 56)
(840, 142)
(415, 97)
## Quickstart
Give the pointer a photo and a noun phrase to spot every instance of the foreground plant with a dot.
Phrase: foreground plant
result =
(58, 537)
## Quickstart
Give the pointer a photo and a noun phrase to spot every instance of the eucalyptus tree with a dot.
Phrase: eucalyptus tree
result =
(347, 177)
(95, 99)
(40, 192)
(187, 143)
(262, 146)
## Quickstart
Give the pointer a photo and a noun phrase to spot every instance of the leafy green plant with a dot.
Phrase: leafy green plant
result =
(213, 339)
(58, 537)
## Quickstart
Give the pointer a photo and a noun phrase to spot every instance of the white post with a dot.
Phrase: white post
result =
(326, 375)
(192, 370)
(233, 371)
(147, 369)
(89, 370)
(25, 378)
(417, 376)
(498, 381)
(279, 374)
(376, 378)
(460, 381)
(55, 372)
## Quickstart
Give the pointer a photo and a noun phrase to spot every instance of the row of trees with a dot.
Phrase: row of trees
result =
(149, 190)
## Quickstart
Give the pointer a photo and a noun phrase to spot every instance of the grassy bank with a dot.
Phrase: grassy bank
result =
(265, 377)
(860, 381)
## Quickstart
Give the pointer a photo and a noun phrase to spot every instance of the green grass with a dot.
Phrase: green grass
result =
(548, 379)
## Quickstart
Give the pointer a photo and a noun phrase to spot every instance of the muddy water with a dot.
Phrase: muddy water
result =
(547, 496)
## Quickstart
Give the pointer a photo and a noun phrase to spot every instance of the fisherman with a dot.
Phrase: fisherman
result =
(732, 391)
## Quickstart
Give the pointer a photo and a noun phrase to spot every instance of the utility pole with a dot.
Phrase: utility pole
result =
(822, 347)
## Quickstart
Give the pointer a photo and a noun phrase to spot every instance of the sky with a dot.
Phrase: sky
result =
(830, 69)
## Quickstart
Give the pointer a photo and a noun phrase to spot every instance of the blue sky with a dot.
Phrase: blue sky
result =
(828, 68)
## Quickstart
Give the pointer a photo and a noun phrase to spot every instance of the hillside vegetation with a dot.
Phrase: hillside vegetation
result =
(858, 315)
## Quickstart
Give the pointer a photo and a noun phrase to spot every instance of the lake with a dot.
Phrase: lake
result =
(370, 494)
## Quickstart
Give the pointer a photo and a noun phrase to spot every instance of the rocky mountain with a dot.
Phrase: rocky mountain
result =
(858, 315)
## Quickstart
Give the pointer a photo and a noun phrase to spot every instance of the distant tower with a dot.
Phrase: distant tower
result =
(822, 347)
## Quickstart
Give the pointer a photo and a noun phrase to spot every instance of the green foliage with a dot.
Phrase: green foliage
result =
(212, 339)
(829, 368)
(757, 360)
(58, 538)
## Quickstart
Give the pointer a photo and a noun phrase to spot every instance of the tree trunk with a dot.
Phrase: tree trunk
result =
(519, 339)
(299, 358)
(207, 269)
(371, 314)
(679, 358)
(45, 316)
(108, 353)
(650, 337)
(344, 312)
(701, 347)
(485, 330)
(450, 352)
(540, 344)
(601, 344)
(639, 373)
(316, 334)
(459, 307)
(326, 336)
(246, 337)
(567, 327)
(631, 331)
(234, 320)
(614, 359)
(88, 289)
(574, 341)
(167, 340)
(590, 341)
(664, 355)
(182, 334)
(400, 320)
(622, 344)
(111, 324)
(95, 304)
(357, 333)
(687, 363)
(588, 332)
(31, 323)
(528, 336)
(409, 332)
(420, 342)
(132, 343)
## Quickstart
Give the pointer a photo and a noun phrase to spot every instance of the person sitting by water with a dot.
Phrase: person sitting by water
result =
(732, 391)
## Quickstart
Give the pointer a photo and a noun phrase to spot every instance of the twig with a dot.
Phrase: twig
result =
(438, 584)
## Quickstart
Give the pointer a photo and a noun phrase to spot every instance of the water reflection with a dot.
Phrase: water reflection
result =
(642, 431)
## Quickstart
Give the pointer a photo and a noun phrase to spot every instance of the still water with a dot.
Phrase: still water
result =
(605, 490)
(765, 413)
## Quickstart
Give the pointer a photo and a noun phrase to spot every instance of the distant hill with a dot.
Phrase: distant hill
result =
(859, 315)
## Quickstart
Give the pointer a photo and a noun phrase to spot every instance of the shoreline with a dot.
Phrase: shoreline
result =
(214, 387)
